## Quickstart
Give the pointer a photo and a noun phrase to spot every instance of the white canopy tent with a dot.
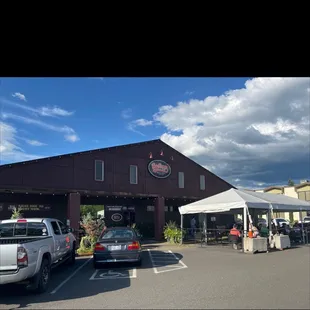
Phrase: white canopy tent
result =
(243, 199)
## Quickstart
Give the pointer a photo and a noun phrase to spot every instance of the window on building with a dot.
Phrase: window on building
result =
(202, 182)
(55, 228)
(133, 174)
(181, 179)
(308, 195)
(99, 170)
(302, 195)
(171, 208)
(166, 208)
(150, 208)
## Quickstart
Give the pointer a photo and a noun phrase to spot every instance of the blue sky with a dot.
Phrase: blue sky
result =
(50, 116)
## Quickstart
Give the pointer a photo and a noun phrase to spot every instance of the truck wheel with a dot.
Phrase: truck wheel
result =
(44, 277)
(71, 260)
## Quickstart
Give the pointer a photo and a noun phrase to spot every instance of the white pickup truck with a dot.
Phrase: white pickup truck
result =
(30, 248)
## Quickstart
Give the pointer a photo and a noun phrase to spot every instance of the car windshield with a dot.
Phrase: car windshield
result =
(117, 234)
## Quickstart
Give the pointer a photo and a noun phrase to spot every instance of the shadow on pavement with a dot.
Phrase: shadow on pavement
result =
(80, 285)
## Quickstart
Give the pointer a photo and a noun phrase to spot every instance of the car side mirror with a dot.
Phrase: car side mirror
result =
(70, 230)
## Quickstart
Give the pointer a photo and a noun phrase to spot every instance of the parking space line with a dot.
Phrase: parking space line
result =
(152, 261)
(72, 275)
(168, 259)
(134, 273)
(180, 261)
(161, 271)
(161, 266)
(158, 260)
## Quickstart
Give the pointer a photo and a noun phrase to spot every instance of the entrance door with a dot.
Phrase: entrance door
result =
(132, 217)
(129, 218)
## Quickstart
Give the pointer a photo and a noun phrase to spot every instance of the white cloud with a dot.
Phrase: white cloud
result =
(126, 114)
(139, 123)
(255, 134)
(10, 151)
(19, 96)
(35, 142)
(72, 138)
(142, 122)
(41, 111)
(69, 132)
(54, 111)
(189, 92)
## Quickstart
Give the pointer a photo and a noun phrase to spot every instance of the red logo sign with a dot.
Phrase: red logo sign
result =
(159, 169)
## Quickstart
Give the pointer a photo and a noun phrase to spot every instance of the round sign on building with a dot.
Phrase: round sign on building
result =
(116, 217)
(159, 169)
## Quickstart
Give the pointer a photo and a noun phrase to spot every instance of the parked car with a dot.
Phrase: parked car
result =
(29, 248)
(262, 221)
(118, 244)
(306, 219)
(280, 221)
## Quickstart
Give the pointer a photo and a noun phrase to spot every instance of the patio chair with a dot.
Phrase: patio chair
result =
(235, 241)
(220, 233)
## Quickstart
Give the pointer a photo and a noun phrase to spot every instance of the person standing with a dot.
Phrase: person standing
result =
(193, 226)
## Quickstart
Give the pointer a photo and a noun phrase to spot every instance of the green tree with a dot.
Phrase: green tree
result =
(92, 209)
(290, 182)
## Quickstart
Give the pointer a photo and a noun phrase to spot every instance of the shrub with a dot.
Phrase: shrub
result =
(134, 227)
(172, 233)
(16, 214)
(92, 228)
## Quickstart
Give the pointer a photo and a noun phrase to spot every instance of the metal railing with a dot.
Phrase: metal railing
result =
(220, 235)
(213, 235)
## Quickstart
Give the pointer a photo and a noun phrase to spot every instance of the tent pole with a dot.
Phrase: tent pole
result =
(181, 228)
(302, 227)
(205, 227)
(245, 220)
(269, 219)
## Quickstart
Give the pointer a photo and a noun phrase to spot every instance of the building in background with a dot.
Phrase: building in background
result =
(300, 191)
(142, 183)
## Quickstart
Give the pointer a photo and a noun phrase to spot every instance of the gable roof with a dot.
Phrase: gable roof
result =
(302, 185)
(80, 153)
(111, 148)
(267, 189)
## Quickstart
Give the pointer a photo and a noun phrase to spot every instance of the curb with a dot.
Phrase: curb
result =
(84, 254)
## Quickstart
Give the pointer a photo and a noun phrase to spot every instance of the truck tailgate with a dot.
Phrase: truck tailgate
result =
(8, 257)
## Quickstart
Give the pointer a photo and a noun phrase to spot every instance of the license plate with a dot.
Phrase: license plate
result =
(115, 247)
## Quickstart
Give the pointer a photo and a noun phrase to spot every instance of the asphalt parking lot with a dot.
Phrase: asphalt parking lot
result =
(178, 278)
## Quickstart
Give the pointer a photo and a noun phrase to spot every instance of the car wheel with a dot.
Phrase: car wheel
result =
(96, 265)
(139, 262)
(44, 277)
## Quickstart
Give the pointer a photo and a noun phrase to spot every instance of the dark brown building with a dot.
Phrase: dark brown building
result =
(143, 183)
